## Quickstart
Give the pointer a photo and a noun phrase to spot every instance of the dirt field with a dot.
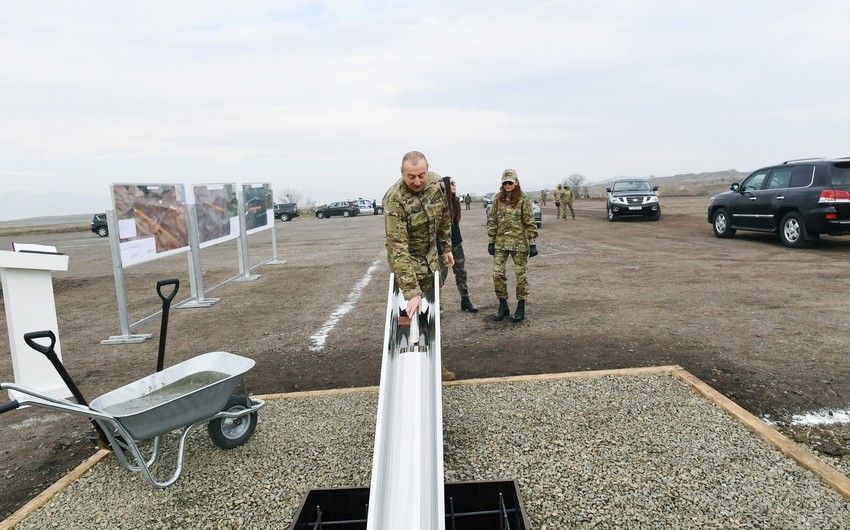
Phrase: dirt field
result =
(763, 324)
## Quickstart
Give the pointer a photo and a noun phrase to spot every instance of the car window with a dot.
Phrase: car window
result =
(754, 182)
(841, 174)
(780, 178)
(802, 176)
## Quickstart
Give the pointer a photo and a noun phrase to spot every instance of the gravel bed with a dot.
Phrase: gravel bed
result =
(637, 451)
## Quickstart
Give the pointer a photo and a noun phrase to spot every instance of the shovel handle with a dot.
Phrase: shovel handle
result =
(170, 296)
(30, 338)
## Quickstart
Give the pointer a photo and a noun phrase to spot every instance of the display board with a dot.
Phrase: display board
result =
(152, 221)
(259, 209)
(216, 208)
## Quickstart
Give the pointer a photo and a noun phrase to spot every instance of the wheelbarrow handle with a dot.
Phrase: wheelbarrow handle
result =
(170, 296)
(6, 407)
(30, 338)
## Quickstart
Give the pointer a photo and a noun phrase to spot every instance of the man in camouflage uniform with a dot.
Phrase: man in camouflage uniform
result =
(416, 216)
(557, 196)
(511, 231)
(567, 201)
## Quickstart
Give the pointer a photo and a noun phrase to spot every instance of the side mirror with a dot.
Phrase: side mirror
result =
(735, 187)
(655, 188)
(608, 190)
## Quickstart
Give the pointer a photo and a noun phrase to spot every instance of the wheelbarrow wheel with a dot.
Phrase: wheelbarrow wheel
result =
(228, 433)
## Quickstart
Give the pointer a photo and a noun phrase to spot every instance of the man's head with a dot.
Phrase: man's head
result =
(414, 171)
(559, 186)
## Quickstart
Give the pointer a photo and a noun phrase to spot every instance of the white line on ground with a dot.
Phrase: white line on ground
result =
(318, 338)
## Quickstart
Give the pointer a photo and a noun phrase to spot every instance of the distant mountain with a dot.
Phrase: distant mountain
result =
(16, 206)
(702, 184)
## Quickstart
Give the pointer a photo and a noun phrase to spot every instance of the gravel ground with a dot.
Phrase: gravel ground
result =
(637, 451)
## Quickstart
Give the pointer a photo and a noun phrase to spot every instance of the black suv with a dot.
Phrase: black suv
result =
(98, 225)
(798, 199)
(286, 211)
(633, 197)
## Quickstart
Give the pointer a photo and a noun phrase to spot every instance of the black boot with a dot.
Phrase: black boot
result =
(466, 305)
(519, 314)
(503, 310)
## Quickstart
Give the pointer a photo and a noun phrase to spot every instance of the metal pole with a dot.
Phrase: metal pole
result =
(118, 273)
(196, 273)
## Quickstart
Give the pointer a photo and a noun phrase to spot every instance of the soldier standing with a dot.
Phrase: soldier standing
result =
(567, 201)
(557, 197)
(457, 249)
(467, 200)
(512, 232)
(416, 217)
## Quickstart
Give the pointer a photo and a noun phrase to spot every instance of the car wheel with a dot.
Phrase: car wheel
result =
(792, 232)
(284, 217)
(102, 231)
(345, 214)
(320, 215)
(722, 228)
(611, 215)
(654, 216)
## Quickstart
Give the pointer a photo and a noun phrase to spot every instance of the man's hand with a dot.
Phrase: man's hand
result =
(532, 251)
(448, 260)
(491, 249)
(413, 305)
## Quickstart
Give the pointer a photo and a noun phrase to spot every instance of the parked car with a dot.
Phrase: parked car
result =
(285, 211)
(98, 225)
(365, 206)
(488, 199)
(343, 208)
(798, 199)
(633, 197)
(538, 215)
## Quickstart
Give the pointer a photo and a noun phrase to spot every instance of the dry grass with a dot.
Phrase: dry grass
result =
(43, 229)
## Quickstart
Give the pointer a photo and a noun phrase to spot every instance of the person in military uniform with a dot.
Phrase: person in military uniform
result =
(557, 196)
(567, 201)
(416, 217)
(457, 250)
(511, 231)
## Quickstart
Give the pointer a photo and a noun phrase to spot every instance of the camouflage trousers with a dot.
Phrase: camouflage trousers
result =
(459, 269)
(570, 206)
(558, 206)
(500, 280)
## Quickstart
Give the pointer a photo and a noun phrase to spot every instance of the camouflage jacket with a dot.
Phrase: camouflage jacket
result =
(567, 195)
(414, 223)
(512, 228)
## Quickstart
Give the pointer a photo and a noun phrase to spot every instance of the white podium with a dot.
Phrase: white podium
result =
(30, 306)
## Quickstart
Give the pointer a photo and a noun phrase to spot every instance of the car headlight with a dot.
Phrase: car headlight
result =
(650, 200)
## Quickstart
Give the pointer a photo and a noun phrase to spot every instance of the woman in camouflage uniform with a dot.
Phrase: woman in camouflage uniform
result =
(512, 232)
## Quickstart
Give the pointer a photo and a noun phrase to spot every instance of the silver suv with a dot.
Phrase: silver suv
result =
(633, 197)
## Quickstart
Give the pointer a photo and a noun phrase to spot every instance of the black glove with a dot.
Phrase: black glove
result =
(532, 251)
(491, 249)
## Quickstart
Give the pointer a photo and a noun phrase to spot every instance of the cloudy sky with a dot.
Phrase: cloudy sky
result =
(325, 96)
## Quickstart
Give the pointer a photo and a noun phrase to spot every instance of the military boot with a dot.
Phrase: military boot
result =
(447, 376)
(503, 310)
(466, 305)
(519, 314)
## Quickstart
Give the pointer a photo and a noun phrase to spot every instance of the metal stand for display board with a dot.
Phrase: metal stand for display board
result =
(196, 274)
(244, 267)
(118, 272)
